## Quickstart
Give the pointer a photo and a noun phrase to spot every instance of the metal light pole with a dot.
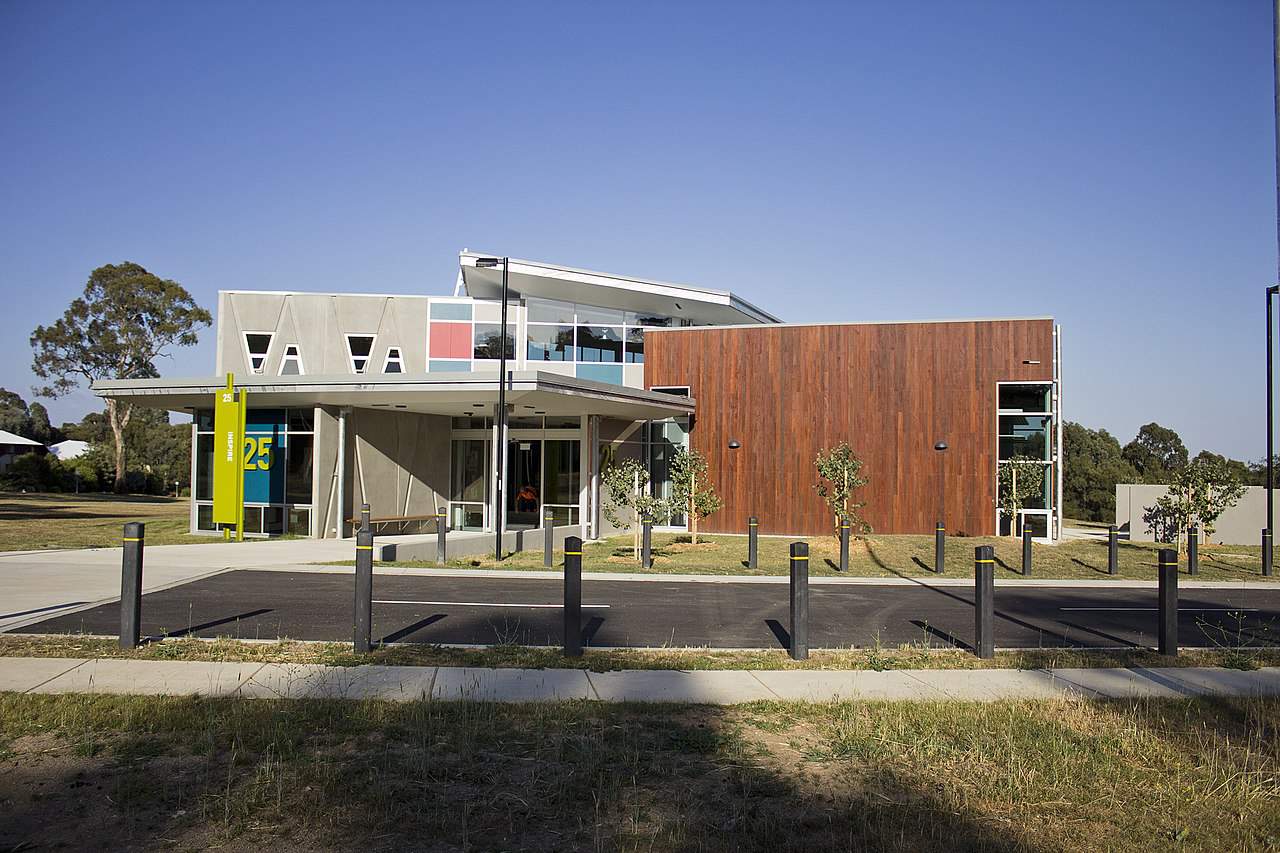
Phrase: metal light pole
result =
(941, 447)
(1272, 291)
(500, 409)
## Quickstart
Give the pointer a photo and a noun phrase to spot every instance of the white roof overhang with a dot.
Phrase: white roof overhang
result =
(457, 394)
(566, 284)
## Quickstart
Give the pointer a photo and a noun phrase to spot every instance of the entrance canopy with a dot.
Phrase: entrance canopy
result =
(457, 394)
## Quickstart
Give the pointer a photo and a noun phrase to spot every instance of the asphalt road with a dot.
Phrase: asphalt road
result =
(314, 606)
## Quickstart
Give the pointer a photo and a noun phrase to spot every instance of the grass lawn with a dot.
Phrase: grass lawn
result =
(33, 521)
(181, 773)
(880, 556)
(908, 656)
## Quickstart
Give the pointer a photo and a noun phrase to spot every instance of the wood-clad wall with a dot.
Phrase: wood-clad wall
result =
(890, 390)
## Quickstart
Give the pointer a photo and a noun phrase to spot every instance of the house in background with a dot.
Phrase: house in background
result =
(12, 446)
(69, 449)
(390, 400)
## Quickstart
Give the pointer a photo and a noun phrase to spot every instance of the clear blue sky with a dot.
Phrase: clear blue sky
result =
(1111, 164)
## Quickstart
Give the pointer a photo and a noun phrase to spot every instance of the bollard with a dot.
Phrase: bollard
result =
(573, 597)
(844, 546)
(646, 545)
(131, 585)
(1266, 552)
(939, 549)
(753, 524)
(442, 533)
(548, 537)
(984, 600)
(1193, 550)
(364, 516)
(800, 601)
(364, 590)
(1026, 551)
(1168, 602)
(1113, 548)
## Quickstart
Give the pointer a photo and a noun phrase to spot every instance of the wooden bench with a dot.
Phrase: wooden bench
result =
(401, 521)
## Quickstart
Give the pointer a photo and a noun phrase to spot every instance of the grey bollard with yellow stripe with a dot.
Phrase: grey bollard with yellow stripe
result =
(646, 544)
(573, 597)
(548, 537)
(939, 548)
(753, 525)
(799, 601)
(131, 585)
(984, 600)
(363, 621)
(442, 533)
(1167, 633)
(844, 545)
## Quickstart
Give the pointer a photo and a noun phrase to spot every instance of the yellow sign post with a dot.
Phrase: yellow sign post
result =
(229, 410)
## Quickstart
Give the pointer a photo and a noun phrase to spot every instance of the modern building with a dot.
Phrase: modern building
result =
(13, 445)
(390, 400)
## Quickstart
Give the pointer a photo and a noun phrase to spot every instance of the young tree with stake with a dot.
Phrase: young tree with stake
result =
(839, 475)
(1019, 480)
(692, 489)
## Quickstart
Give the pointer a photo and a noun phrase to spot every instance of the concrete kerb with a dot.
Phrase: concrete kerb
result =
(722, 687)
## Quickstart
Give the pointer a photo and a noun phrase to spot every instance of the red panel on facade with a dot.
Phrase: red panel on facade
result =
(451, 340)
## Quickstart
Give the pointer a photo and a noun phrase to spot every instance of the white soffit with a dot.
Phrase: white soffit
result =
(566, 284)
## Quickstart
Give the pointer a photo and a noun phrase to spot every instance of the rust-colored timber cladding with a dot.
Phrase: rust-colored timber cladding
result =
(891, 390)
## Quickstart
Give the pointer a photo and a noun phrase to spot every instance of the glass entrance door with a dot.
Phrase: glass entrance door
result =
(524, 483)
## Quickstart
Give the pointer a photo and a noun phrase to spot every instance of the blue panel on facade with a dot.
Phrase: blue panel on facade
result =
(449, 367)
(264, 456)
(611, 373)
(451, 310)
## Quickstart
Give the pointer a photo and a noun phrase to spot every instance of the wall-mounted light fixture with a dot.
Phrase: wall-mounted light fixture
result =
(1031, 361)
(734, 444)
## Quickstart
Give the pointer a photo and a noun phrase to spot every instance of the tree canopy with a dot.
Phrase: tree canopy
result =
(1156, 453)
(126, 318)
(1095, 464)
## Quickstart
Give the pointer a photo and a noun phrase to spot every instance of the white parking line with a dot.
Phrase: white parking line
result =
(1180, 609)
(487, 604)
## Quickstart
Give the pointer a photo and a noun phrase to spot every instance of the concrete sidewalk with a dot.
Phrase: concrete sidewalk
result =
(717, 687)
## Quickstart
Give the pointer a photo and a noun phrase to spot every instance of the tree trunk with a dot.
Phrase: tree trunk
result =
(118, 417)
(1013, 500)
(635, 511)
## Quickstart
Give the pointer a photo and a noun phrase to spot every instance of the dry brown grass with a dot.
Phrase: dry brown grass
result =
(38, 521)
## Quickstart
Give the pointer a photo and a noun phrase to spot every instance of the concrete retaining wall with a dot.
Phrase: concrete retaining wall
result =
(467, 544)
(1240, 525)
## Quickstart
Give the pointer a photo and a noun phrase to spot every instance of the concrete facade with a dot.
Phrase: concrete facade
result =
(1240, 525)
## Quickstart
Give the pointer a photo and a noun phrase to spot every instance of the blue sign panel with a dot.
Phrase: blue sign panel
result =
(264, 455)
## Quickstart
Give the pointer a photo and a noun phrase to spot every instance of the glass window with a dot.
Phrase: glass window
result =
(253, 519)
(471, 423)
(301, 420)
(1022, 435)
(450, 310)
(548, 311)
(393, 363)
(560, 472)
(273, 520)
(528, 422)
(449, 366)
(563, 422)
(599, 343)
(299, 521)
(488, 339)
(291, 362)
(635, 346)
(601, 316)
(549, 343)
(634, 319)
(204, 517)
(204, 468)
(298, 469)
(204, 420)
(258, 345)
(359, 347)
(469, 470)
(1024, 398)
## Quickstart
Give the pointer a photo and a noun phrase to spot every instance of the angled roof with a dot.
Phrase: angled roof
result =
(7, 437)
(568, 284)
